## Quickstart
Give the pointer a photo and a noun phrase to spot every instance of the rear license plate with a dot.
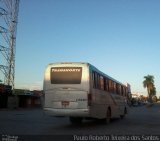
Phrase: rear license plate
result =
(65, 103)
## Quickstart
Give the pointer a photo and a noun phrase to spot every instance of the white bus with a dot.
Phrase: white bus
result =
(79, 90)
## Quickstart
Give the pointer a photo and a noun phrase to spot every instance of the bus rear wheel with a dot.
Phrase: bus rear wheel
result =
(108, 116)
(125, 112)
(75, 120)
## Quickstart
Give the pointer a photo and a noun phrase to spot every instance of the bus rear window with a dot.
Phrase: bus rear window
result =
(66, 75)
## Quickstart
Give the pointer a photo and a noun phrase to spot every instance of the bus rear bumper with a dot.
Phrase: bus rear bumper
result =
(67, 112)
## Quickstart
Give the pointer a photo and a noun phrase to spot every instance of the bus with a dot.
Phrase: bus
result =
(79, 90)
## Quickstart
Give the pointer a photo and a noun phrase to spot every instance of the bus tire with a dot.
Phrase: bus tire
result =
(75, 120)
(124, 113)
(108, 116)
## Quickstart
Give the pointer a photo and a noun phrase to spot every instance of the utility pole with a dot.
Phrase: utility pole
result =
(8, 28)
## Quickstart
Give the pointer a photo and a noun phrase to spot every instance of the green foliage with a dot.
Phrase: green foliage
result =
(149, 84)
(154, 98)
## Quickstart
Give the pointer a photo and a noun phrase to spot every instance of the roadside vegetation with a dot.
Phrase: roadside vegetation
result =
(151, 89)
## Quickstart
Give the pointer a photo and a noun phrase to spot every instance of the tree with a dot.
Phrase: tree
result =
(153, 91)
(142, 98)
(154, 98)
(149, 84)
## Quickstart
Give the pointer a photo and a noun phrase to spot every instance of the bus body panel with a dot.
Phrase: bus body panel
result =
(102, 100)
(67, 112)
(67, 99)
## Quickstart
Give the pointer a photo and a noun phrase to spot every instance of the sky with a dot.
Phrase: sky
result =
(119, 37)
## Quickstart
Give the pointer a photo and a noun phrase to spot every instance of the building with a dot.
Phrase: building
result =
(5, 92)
(29, 99)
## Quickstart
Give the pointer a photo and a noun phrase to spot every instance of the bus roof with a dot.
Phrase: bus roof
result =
(105, 75)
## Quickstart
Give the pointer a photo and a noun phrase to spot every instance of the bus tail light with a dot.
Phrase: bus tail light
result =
(89, 99)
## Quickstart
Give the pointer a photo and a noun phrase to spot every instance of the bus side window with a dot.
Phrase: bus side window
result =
(104, 80)
(106, 84)
(98, 81)
(111, 86)
(125, 93)
(117, 88)
(93, 80)
(122, 90)
(101, 83)
(114, 87)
